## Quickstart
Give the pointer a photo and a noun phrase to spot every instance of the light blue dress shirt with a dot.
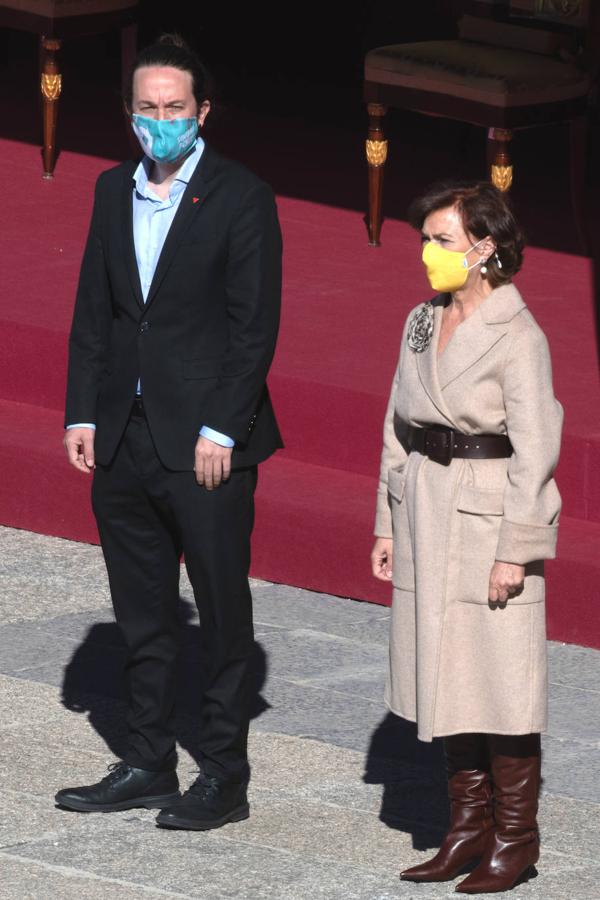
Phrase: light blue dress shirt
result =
(152, 218)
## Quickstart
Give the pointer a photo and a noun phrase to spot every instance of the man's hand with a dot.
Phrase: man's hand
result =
(506, 579)
(79, 445)
(212, 464)
(381, 558)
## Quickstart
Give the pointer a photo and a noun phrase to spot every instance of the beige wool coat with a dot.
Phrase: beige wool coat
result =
(457, 664)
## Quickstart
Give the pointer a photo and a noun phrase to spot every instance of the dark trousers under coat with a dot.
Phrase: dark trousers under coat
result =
(147, 516)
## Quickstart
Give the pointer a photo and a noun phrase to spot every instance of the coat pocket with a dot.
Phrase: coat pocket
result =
(201, 368)
(403, 569)
(396, 482)
(480, 514)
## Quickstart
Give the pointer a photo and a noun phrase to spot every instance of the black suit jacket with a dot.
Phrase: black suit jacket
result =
(204, 340)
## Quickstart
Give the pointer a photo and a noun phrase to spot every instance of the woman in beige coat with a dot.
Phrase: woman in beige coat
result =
(467, 511)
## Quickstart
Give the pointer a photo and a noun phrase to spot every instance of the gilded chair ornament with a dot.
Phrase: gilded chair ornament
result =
(564, 8)
(502, 177)
(51, 86)
(376, 152)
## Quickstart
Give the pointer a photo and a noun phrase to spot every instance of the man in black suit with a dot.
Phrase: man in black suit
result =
(173, 333)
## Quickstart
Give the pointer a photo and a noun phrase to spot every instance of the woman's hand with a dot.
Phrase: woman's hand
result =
(381, 558)
(506, 579)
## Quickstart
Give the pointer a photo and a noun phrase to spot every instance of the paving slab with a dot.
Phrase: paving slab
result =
(319, 712)
(44, 577)
(342, 794)
(27, 879)
(571, 768)
(574, 666)
(289, 607)
(573, 710)
(305, 655)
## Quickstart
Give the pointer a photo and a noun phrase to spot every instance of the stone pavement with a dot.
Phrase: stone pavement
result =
(342, 794)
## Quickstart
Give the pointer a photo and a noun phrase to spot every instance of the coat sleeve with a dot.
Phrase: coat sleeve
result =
(253, 289)
(393, 454)
(534, 418)
(90, 329)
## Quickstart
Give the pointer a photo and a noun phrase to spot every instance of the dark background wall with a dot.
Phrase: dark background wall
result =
(300, 50)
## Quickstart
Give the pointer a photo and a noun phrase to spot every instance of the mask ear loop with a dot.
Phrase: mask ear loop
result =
(483, 265)
(478, 263)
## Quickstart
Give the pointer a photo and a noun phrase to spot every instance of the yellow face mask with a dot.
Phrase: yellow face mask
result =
(447, 270)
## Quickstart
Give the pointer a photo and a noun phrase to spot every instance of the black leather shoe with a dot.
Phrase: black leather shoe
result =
(123, 788)
(209, 803)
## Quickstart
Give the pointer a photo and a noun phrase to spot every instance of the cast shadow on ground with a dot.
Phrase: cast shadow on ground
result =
(93, 683)
(415, 798)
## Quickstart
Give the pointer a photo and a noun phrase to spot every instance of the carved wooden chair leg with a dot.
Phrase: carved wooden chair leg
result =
(578, 138)
(501, 170)
(51, 82)
(376, 148)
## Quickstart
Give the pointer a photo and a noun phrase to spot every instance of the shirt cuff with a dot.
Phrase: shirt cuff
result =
(216, 437)
(82, 425)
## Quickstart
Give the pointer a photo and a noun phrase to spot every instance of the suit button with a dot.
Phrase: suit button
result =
(144, 327)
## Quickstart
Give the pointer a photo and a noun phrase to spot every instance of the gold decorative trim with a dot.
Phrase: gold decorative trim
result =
(51, 86)
(500, 134)
(564, 8)
(376, 152)
(502, 177)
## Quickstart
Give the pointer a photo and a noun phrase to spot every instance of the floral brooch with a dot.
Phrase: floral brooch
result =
(420, 328)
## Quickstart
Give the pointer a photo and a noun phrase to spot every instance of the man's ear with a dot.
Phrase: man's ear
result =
(203, 111)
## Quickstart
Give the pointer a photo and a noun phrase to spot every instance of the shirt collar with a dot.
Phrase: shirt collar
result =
(184, 173)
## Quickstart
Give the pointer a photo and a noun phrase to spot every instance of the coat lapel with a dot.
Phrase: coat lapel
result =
(127, 237)
(478, 333)
(191, 204)
(427, 364)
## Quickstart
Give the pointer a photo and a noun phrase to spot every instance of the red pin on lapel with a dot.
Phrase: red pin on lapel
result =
(195, 199)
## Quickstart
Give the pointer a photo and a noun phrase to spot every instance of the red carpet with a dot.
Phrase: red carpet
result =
(344, 305)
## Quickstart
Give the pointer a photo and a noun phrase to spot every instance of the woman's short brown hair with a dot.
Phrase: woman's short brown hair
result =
(484, 211)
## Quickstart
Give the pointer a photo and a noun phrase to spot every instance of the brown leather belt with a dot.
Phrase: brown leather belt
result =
(444, 444)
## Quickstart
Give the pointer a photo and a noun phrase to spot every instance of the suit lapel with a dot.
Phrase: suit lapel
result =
(127, 236)
(427, 365)
(190, 205)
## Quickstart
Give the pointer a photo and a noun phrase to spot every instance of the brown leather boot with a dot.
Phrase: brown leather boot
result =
(471, 818)
(514, 845)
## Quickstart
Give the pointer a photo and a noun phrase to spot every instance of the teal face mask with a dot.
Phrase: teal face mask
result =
(165, 140)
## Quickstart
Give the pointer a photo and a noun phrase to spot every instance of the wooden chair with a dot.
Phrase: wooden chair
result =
(54, 21)
(515, 64)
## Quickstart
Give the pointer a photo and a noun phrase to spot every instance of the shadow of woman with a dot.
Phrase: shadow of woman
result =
(93, 683)
(413, 775)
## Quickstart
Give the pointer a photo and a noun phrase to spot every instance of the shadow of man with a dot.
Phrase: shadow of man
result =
(413, 775)
(93, 683)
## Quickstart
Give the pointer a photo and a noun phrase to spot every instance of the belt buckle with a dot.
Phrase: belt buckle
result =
(439, 446)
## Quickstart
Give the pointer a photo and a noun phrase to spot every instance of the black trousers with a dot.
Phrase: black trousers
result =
(147, 516)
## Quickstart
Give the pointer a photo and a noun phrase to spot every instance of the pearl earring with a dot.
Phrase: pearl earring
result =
(484, 268)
